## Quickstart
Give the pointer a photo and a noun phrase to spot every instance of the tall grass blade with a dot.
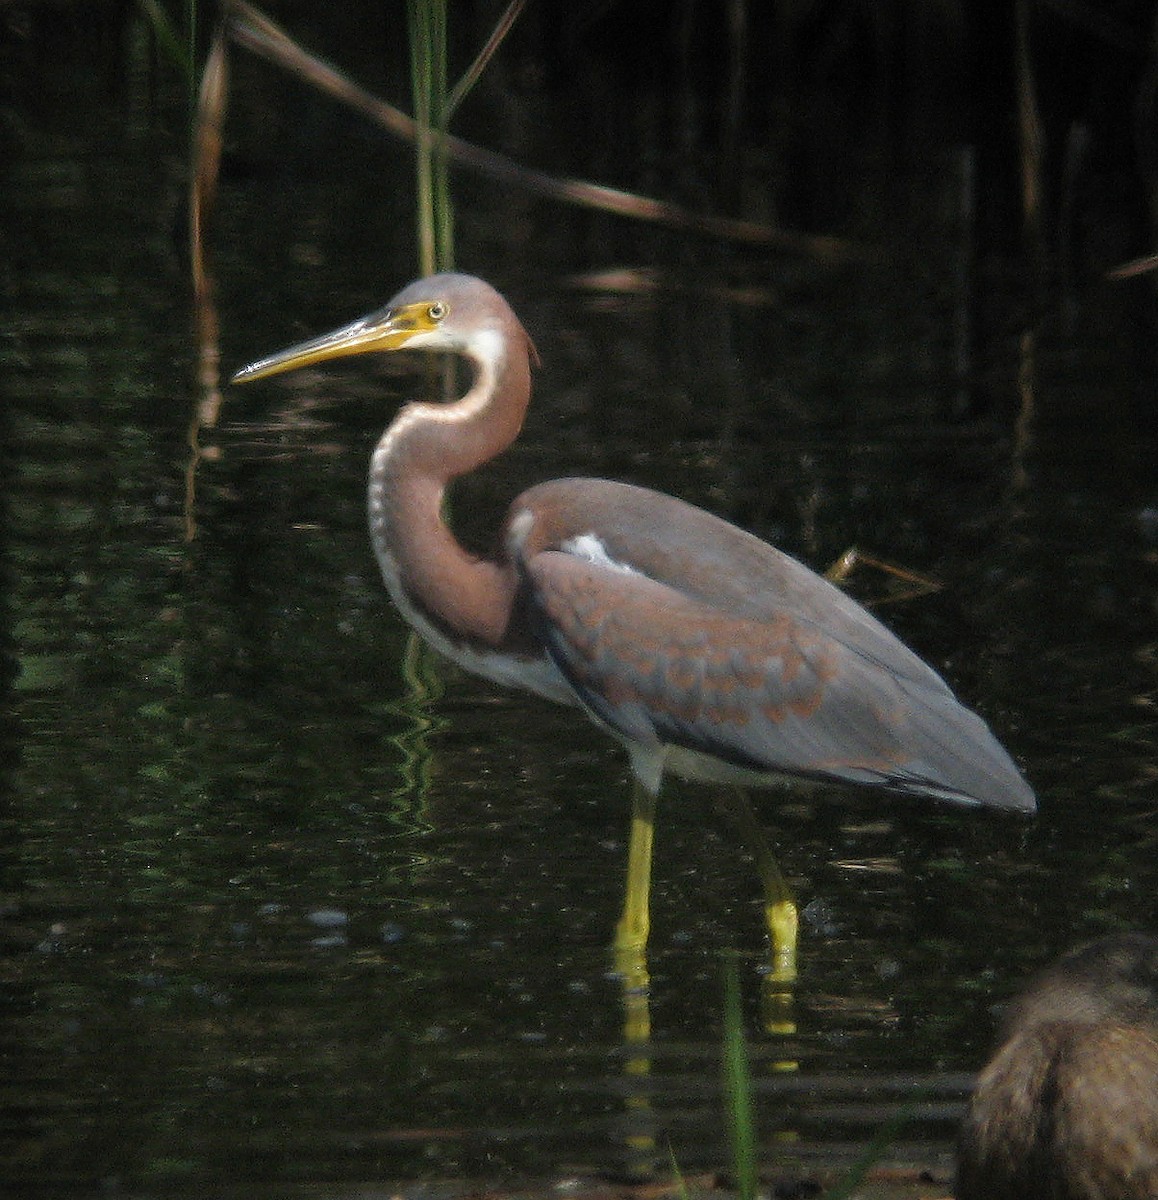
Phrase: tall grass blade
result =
(681, 1186)
(876, 1149)
(471, 75)
(191, 46)
(738, 1095)
(427, 25)
(257, 33)
(179, 50)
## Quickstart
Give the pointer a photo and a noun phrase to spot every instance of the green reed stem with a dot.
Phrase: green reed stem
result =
(427, 25)
(738, 1093)
(471, 75)
(681, 1185)
(181, 51)
(877, 1148)
(191, 50)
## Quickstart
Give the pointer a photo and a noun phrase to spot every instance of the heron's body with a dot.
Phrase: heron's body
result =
(705, 651)
(699, 647)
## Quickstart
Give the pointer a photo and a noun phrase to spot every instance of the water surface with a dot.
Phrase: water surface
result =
(275, 914)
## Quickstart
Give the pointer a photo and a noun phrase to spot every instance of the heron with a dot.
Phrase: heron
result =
(708, 653)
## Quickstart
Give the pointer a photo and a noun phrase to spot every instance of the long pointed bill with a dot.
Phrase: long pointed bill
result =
(387, 329)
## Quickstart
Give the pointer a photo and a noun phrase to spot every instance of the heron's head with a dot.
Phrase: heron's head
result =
(449, 312)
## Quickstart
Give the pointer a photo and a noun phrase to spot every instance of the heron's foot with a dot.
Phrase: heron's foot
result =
(777, 1006)
(631, 968)
(783, 922)
(630, 959)
(634, 926)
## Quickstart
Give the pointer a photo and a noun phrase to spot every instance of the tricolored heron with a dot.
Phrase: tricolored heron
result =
(708, 653)
(1068, 1105)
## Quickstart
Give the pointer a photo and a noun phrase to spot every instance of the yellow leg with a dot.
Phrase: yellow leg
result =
(631, 966)
(780, 918)
(631, 932)
(780, 914)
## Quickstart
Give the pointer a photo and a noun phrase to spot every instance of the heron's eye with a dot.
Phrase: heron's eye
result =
(436, 311)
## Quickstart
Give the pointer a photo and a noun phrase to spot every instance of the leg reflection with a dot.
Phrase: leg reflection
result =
(638, 1137)
(631, 933)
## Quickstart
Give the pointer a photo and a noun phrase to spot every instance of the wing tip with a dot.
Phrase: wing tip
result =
(1013, 795)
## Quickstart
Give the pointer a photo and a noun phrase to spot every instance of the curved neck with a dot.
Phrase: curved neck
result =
(444, 441)
(427, 445)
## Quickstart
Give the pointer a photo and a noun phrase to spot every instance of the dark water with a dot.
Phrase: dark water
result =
(273, 917)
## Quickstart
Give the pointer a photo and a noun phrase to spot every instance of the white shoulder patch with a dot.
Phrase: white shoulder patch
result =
(588, 546)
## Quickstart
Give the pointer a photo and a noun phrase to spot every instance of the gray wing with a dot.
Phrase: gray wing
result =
(708, 559)
(777, 692)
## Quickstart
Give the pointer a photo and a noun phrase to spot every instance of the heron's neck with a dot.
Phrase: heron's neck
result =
(427, 446)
